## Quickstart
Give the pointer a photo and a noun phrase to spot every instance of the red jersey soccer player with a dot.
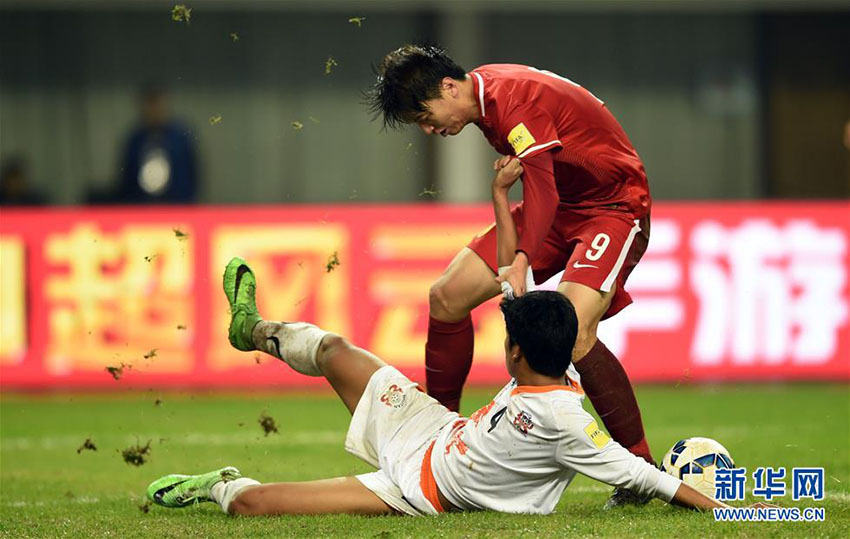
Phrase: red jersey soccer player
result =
(585, 211)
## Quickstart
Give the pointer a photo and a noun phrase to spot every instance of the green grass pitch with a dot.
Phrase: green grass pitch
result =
(49, 490)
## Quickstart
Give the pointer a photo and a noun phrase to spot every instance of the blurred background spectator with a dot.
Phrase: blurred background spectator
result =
(158, 163)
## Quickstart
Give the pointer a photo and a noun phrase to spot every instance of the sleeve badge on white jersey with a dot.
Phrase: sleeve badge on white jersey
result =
(596, 435)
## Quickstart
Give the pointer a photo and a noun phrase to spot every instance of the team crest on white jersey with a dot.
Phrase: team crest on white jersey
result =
(394, 396)
(523, 423)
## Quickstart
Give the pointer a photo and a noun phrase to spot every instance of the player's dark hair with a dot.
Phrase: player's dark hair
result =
(407, 77)
(544, 325)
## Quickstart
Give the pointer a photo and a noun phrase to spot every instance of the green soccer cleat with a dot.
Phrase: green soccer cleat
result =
(181, 490)
(239, 287)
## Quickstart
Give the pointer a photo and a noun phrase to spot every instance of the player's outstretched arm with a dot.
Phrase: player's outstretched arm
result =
(693, 499)
(588, 451)
(511, 271)
(508, 170)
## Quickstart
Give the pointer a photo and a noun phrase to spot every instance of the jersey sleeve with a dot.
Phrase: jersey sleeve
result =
(530, 131)
(585, 448)
(532, 135)
(540, 201)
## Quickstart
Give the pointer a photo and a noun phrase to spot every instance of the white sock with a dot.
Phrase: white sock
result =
(224, 492)
(296, 343)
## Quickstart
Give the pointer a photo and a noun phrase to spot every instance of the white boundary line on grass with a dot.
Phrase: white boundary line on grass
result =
(42, 503)
(72, 442)
(840, 497)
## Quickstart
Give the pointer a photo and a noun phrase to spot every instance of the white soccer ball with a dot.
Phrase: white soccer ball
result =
(695, 460)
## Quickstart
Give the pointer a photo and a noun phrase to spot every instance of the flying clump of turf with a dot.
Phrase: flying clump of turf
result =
(268, 424)
(136, 454)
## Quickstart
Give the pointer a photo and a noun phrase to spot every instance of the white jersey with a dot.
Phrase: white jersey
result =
(519, 453)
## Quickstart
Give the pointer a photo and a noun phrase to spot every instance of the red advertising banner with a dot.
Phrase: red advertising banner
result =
(731, 291)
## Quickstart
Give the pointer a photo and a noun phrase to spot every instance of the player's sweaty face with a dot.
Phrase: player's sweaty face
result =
(441, 117)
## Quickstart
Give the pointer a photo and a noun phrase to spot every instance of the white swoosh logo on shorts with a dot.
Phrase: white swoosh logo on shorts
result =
(577, 265)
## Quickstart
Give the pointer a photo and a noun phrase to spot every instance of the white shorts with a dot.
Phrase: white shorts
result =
(392, 427)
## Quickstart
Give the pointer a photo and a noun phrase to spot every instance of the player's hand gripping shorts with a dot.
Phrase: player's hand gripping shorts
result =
(392, 429)
(598, 250)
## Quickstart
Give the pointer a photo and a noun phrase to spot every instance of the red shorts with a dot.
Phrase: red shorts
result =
(598, 251)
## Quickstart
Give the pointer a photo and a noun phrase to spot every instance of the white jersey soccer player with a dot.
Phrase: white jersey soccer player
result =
(517, 454)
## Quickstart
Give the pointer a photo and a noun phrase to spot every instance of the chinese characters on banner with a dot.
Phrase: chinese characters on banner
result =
(724, 292)
(117, 296)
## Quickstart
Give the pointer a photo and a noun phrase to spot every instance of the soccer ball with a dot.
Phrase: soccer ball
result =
(694, 461)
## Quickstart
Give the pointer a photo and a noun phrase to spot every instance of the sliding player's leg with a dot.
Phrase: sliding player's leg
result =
(310, 351)
(315, 352)
(326, 496)
(239, 495)
(304, 347)
(466, 283)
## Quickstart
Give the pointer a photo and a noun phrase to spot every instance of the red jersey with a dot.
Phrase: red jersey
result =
(574, 152)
